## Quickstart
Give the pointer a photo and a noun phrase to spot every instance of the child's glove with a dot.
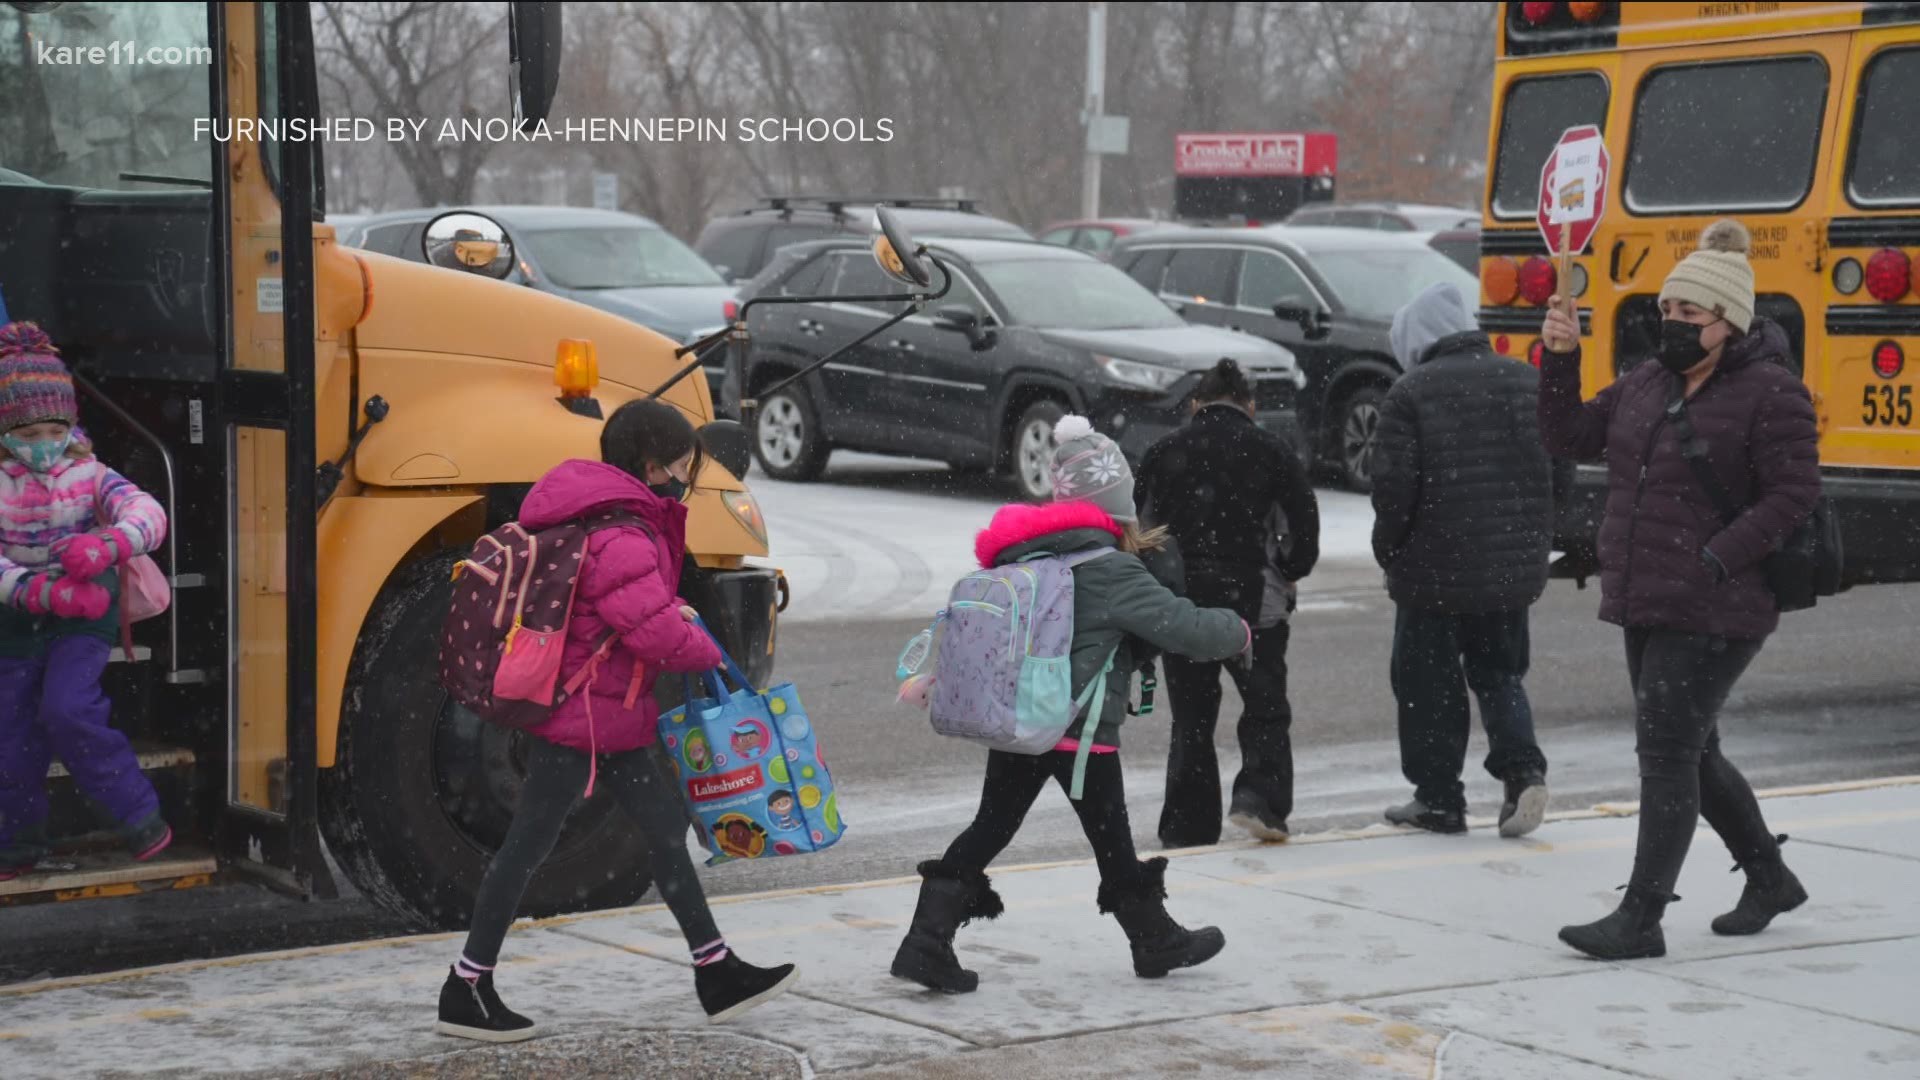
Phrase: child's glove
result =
(88, 555)
(48, 593)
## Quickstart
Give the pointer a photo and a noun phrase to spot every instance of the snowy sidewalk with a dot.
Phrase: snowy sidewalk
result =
(1383, 955)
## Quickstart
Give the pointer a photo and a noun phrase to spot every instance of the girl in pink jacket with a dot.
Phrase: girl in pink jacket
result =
(648, 453)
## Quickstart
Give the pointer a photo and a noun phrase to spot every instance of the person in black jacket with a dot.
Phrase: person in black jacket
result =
(1241, 509)
(1463, 516)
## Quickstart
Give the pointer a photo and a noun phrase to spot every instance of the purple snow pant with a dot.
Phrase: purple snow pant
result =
(52, 704)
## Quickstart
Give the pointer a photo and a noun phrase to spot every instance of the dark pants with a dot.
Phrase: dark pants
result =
(1192, 813)
(1437, 658)
(556, 776)
(1015, 780)
(1680, 680)
(52, 705)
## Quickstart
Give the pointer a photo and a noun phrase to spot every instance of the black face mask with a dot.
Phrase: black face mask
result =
(672, 490)
(1680, 348)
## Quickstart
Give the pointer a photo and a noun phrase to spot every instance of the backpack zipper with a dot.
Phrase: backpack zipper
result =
(526, 582)
(500, 612)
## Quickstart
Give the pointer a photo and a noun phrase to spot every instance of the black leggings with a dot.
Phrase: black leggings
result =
(1680, 680)
(556, 776)
(1014, 781)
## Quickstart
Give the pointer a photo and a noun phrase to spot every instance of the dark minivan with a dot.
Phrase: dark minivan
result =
(1028, 333)
(1328, 295)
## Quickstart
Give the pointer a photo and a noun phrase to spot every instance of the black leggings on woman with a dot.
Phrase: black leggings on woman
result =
(1014, 781)
(556, 776)
(1680, 680)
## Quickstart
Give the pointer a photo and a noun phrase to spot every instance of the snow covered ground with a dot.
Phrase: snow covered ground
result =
(886, 538)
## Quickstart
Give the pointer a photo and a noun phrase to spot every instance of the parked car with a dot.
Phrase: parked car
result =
(1385, 216)
(741, 244)
(1327, 295)
(1028, 333)
(1460, 245)
(621, 263)
(1096, 237)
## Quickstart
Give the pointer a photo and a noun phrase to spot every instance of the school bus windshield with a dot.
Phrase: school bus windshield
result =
(97, 94)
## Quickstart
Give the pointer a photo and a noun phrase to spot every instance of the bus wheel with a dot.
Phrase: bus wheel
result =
(422, 791)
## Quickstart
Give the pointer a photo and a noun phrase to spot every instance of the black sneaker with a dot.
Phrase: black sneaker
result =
(472, 1010)
(1250, 812)
(1525, 806)
(731, 986)
(1419, 815)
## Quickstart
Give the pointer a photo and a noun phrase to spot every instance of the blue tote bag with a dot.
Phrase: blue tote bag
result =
(750, 769)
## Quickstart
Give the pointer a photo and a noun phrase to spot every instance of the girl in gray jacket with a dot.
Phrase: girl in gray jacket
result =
(1117, 603)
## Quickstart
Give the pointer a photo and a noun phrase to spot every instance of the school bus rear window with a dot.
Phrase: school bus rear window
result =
(1731, 136)
(1886, 150)
(1536, 112)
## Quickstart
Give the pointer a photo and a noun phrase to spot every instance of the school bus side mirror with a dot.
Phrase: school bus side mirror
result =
(469, 242)
(533, 49)
(895, 251)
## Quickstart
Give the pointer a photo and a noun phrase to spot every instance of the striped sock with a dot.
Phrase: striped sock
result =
(711, 953)
(469, 970)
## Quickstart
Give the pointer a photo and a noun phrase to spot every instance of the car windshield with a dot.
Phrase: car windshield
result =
(1074, 294)
(618, 258)
(1373, 284)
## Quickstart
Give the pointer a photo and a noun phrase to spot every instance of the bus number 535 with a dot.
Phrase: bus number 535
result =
(1886, 405)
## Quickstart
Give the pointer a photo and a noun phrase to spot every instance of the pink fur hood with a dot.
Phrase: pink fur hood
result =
(1019, 523)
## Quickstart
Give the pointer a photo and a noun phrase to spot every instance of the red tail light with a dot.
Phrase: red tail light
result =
(731, 309)
(1502, 343)
(1889, 275)
(1889, 360)
(1535, 351)
(1537, 13)
(1537, 280)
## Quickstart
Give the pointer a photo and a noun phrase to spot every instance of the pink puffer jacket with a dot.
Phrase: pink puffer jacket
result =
(628, 587)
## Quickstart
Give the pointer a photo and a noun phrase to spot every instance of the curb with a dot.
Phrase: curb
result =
(1371, 832)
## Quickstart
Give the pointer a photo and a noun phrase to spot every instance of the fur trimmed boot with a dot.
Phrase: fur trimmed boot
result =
(1159, 944)
(950, 897)
(1632, 932)
(1771, 890)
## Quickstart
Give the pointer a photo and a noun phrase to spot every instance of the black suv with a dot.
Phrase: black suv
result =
(740, 245)
(1027, 333)
(1328, 295)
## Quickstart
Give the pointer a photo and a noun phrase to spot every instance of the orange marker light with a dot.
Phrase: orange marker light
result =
(1586, 12)
(576, 368)
(1501, 278)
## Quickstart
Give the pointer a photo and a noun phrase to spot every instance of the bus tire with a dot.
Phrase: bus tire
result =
(421, 791)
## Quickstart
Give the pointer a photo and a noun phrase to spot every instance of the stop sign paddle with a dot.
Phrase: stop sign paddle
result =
(1573, 195)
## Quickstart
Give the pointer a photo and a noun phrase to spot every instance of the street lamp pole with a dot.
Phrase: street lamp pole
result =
(1096, 105)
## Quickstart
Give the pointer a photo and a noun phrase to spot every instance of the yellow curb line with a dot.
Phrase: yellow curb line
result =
(1371, 832)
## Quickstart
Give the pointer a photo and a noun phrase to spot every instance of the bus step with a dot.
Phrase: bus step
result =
(153, 758)
(97, 876)
(141, 654)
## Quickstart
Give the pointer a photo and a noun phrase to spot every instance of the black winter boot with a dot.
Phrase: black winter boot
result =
(950, 897)
(1771, 890)
(1632, 932)
(1159, 944)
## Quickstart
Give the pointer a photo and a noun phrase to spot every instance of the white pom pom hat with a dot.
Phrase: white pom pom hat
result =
(1089, 467)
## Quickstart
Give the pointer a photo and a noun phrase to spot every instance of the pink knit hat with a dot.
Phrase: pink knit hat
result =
(34, 385)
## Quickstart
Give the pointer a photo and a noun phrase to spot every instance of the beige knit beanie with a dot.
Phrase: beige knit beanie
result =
(1717, 277)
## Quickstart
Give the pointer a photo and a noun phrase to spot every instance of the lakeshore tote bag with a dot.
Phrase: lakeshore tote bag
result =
(750, 770)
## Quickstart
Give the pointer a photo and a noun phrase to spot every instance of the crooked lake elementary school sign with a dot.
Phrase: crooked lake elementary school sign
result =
(1255, 154)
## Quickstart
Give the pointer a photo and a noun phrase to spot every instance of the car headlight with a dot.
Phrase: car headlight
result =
(1136, 374)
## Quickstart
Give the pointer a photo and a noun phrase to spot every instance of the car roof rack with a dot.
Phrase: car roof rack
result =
(837, 204)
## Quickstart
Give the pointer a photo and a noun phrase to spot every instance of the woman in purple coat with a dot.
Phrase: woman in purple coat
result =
(1685, 584)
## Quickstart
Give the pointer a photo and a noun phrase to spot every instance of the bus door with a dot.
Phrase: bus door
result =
(1736, 130)
(265, 430)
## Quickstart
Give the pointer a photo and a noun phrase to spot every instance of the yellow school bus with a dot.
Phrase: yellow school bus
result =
(1802, 120)
(329, 430)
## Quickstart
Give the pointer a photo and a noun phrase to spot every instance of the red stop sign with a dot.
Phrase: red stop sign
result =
(1573, 189)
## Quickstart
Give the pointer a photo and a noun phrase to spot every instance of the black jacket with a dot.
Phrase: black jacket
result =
(1462, 485)
(1214, 484)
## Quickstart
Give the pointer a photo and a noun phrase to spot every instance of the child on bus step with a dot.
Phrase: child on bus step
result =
(1116, 602)
(626, 587)
(67, 522)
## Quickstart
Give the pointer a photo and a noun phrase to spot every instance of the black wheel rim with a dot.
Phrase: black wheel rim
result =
(478, 772)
